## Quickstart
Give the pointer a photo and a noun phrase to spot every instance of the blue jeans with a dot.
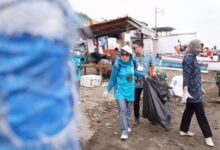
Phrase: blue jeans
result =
(124, 115)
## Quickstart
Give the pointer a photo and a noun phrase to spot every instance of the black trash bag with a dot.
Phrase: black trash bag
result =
(162, 89)
(155, 108)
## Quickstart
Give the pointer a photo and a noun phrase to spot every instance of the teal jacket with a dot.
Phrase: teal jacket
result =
(124, 87)
(76, 63)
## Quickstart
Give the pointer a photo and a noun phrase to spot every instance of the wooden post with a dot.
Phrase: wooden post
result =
(97, 42)
(85, 71)
(127, 29)
(142, 37)
(107, 46)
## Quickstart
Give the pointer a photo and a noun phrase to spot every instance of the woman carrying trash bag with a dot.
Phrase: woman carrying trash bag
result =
(122, 78)
(193, 93)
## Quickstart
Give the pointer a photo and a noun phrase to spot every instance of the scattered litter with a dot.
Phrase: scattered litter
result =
(108, 125)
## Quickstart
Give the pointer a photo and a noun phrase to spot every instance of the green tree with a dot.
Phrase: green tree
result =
(84, 16)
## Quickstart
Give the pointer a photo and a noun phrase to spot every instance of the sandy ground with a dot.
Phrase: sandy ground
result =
(99, 123)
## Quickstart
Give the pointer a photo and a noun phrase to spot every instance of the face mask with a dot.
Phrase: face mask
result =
(197, 51)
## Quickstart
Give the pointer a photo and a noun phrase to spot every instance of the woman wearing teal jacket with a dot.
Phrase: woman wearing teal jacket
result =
(122, 79)
(75, 59)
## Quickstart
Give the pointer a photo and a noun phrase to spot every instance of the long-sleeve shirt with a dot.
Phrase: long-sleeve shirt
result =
(192, 78)
(76, 63)
(124, 87)
(142, 66)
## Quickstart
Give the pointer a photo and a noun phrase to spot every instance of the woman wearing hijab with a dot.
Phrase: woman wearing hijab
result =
(193, 93)
(122, 78)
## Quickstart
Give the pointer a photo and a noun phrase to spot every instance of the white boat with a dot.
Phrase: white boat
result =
(174, 61)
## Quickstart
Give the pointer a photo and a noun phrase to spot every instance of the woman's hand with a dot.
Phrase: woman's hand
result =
(105, 94)
(186, 95)
(203, 91)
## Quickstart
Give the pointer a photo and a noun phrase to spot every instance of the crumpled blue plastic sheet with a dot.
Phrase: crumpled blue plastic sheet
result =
(37, 100)
(36, 105)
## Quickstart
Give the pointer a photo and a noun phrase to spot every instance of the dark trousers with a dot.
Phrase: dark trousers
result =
(137, 102)
(200, 116)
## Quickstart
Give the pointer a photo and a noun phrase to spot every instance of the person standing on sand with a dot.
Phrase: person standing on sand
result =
(76, 63)
(122, 78)
(193, 94)
(143, 62)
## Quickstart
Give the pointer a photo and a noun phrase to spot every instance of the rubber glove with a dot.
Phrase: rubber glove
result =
(203, 91)
(186, 95)
(105, 94)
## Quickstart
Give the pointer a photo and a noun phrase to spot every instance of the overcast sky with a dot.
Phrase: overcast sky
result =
(201, 16)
